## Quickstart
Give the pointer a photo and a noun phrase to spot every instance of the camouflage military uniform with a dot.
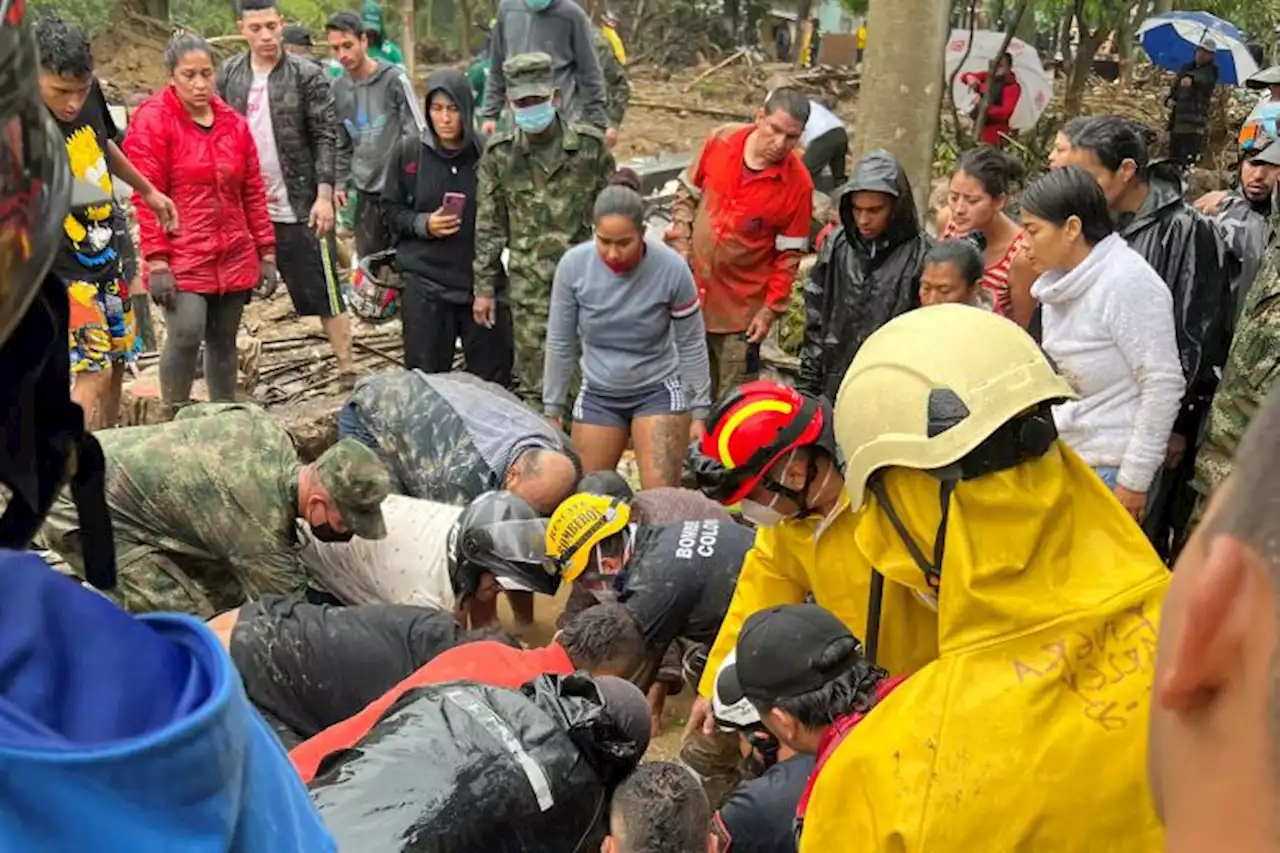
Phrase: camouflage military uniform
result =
(205, 508)
(617, 89)
(445, 437)
(534, 211)
(1253, 365)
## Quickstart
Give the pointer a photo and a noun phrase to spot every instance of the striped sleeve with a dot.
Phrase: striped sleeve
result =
(691, 339)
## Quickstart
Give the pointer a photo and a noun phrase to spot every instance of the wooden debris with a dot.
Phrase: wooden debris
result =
(713, 69)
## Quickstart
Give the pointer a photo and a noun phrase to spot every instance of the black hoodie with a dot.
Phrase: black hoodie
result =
(857, 286)
(421, 171)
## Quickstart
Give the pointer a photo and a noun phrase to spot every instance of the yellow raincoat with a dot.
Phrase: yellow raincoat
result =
(615, 42)
(1029, 731)
(791, 560)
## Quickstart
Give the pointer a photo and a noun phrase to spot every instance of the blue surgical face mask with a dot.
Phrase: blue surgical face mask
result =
(537, 5)
(536, 118)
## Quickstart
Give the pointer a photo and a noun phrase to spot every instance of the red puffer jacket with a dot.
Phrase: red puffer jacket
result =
(214, 180)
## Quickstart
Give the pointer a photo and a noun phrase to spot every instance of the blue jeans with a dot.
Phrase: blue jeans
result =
(351, 426)
(1109, 473)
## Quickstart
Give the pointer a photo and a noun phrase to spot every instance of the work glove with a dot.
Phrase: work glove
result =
(268, 278)
(163, 287)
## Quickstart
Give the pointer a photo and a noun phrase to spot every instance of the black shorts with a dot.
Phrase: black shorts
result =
(309, 267)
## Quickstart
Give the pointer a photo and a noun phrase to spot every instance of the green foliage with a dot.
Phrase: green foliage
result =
(855, 7)
(93, 15)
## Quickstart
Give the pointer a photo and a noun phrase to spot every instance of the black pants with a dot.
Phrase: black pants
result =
(432, 327)
(829, 149)
(370, 228)
(1185, 148)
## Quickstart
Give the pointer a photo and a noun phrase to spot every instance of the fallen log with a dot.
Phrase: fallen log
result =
(729, 115)
(713, 69)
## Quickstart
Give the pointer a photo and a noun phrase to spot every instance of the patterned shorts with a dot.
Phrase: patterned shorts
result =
(104, 330)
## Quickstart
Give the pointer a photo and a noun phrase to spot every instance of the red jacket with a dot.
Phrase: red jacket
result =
(485, 662)
(214, 180)
(746, 236)
(1000, 111)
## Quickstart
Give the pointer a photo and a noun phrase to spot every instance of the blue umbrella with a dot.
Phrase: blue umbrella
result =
(1171, 39)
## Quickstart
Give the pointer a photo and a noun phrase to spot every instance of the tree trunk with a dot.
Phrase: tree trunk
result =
(1081, 68)
(1135, 12)
(902, 86)
(158, 9)
(409, 35)
(1026, 31)
(467, 23)
(803, 10)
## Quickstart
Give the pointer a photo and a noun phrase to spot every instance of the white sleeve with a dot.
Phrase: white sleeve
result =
(1140, 319)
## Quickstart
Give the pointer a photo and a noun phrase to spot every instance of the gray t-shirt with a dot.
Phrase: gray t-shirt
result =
(636, 329)
(501, 426)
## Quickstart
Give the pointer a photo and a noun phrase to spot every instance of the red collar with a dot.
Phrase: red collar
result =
(833, 737)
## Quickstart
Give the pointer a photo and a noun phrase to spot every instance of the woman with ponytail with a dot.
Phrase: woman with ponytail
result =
(631, 306)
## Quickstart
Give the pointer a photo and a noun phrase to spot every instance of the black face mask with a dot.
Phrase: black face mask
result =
(326, 533)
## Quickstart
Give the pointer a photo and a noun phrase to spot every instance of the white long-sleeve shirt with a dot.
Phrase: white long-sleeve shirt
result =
(1108, 324)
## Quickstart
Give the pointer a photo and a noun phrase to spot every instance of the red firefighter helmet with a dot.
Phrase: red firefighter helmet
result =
(751, 430)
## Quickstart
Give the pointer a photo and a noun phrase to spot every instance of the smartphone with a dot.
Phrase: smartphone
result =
(455, 204)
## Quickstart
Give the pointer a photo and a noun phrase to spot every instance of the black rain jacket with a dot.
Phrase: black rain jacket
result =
(856, 287)
(1185, 250)
(467, 768)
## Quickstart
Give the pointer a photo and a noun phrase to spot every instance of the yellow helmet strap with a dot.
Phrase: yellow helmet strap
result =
(932, 570)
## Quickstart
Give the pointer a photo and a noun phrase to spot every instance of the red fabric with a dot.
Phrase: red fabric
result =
(486, 662)
(215, 181)
(998, 114)
(736, 262)
(834, 736)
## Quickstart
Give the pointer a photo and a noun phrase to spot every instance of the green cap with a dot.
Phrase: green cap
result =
(528, 75)
(357, 480)
(371, 16)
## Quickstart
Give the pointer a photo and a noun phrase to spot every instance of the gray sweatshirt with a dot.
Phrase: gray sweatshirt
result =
(373, 115)
(637, 329)
(563, 32)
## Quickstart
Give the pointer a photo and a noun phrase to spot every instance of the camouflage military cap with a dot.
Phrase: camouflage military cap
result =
(357, 480)
(528, 76)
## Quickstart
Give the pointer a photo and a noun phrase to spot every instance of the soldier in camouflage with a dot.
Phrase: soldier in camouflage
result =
(451, 437)
(205, 508)
(617, 89)
(536, 186)
(1253, 366)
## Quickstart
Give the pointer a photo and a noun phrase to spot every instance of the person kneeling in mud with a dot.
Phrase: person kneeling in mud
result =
(602, 641)
(454, 558)
(676, 579)
(307, 666)
(471, 767)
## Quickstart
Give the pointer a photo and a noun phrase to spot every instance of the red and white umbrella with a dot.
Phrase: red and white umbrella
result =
(1036, 83)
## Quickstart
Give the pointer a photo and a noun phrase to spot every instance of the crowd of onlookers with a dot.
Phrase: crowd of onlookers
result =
(941, 364)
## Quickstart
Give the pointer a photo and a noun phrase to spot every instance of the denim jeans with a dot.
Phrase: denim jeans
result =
(350, 426)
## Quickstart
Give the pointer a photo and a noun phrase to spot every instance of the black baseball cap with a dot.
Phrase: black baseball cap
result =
(788, 651)
(297, 35)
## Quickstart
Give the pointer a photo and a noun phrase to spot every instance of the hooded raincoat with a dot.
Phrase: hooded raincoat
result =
(120, 733)
(1029, 731)
(815, 557)
(857, 285)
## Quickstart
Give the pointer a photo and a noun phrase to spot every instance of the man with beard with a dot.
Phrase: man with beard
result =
(867, 273)
(1242, 216)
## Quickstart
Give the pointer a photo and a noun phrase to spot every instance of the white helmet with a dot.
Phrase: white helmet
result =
(732, 710)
